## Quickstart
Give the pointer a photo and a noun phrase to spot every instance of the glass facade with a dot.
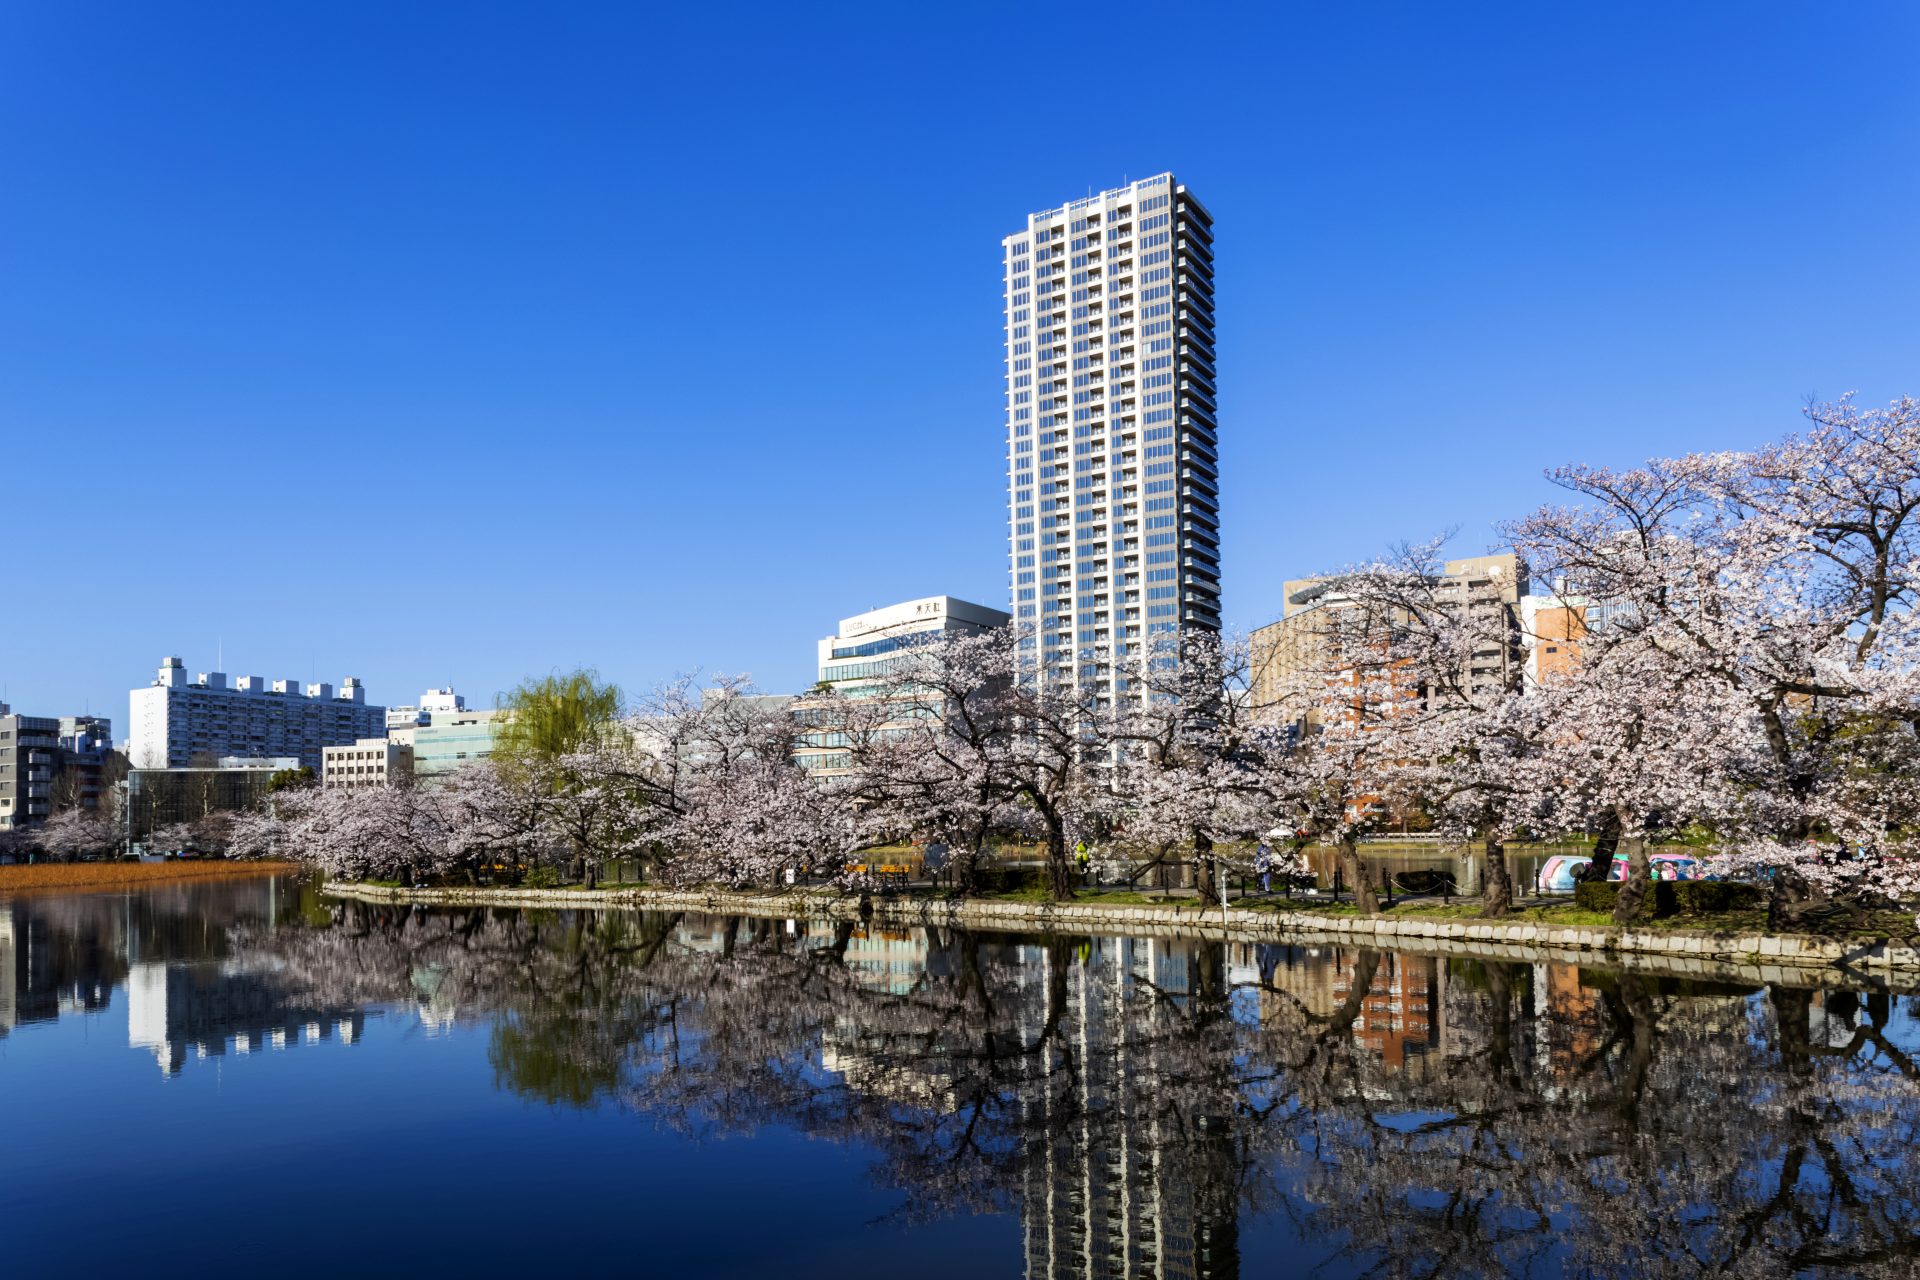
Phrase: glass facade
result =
(453, 739)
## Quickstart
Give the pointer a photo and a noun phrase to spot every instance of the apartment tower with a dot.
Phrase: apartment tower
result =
(1112, 467)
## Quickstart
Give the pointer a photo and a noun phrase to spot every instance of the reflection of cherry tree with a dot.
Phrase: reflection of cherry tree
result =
(1623, 1124)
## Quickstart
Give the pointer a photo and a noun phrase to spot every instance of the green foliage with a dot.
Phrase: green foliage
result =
(542, 878)
(1673, 898)
(555, 716)
(291, 779)
(550, 1056)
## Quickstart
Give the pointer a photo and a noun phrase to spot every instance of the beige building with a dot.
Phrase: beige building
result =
(1490, 586)
(369, 762)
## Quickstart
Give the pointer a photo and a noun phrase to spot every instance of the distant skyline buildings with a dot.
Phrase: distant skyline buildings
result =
(1112, 456)
(175, 721)
(49, 762)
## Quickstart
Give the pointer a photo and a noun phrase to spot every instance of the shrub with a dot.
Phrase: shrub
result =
(1707, 897)
(1011, 879)
(1673, 898)
(542, 878)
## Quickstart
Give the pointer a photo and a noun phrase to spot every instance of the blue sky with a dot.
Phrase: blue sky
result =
(463, 342)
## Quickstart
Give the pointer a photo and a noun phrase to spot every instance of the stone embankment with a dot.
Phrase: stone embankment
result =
(1745, 957)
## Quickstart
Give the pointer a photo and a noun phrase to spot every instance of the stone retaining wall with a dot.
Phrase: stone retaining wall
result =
(1735, 956)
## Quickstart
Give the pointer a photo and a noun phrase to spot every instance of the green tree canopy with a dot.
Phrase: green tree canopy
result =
(555, 716)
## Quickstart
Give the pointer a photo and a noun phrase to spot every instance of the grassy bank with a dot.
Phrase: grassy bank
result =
(85, 877)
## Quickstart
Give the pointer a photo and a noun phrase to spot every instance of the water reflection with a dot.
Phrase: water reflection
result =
(187, 994)
(1145, 1106)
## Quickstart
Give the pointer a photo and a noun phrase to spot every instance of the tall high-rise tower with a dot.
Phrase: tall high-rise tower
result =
(1112, 467)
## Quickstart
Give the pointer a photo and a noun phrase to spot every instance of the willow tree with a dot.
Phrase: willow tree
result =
(555, 716)
(559, 733)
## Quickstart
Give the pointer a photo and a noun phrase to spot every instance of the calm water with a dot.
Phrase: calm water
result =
(244, 1078)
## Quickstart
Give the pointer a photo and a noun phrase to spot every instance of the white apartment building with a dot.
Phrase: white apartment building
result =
(365, 763)
(176, 721)
(1112, 465)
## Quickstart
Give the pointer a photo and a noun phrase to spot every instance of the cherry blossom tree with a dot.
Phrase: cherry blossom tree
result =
(1758, 668)
(75, 832)
(1191, 766)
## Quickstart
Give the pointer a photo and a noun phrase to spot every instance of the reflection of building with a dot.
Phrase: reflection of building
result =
(1400, 1016)
(1122, 1186)
(63, 956)
(893, 961)
(172, 1008)
(1295, 981)
(177, 722)
(1572, 1024)
(47, 972)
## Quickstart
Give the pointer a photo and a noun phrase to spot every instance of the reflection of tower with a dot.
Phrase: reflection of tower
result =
(1109, 1179)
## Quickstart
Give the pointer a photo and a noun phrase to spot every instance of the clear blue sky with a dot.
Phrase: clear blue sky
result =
(467, 341)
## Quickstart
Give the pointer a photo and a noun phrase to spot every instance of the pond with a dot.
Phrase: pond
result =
(246, 1076)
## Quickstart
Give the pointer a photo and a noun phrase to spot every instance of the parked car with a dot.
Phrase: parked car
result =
(1557, 874)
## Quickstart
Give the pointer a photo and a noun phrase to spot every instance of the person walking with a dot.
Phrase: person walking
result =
(1081, 859)
(1263, 867)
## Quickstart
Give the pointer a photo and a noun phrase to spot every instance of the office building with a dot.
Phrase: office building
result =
(367, 763)
(402, 721)
(1112, 463)
(862, 652)
(1552, 628)
(158, 798)
(48, 763)
(454, 738)
(858, 651)
(178, 722)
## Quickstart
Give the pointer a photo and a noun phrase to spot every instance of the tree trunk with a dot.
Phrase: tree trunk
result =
(1606, 844)
(1496, 897)
(1357, 879)
(1205, 870)
(1059, 865)
(1638, 884)
(966, 872)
